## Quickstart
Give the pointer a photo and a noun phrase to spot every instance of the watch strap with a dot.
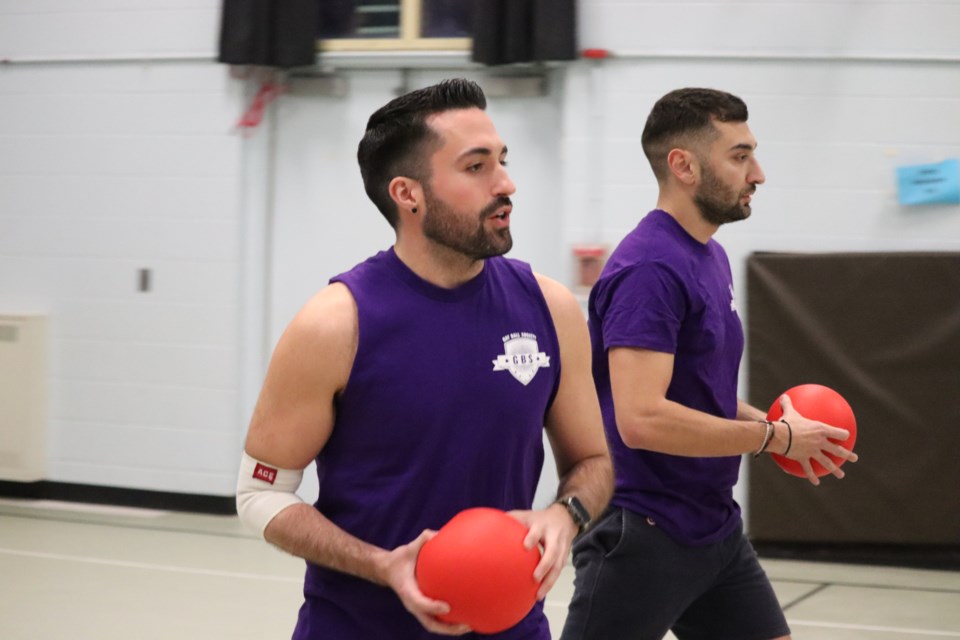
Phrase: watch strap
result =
(579, 513)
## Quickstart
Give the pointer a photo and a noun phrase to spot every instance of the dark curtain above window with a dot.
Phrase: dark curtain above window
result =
(272, 33)
(508, 31)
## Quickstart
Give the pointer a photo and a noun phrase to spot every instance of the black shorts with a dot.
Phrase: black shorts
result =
(634, 582)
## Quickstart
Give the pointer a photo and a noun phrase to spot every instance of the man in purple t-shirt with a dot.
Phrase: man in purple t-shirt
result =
(670, 553)
(422, 382)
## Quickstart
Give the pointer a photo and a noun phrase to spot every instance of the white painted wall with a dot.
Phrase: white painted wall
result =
(116, 154)
(109, 167)
(57, 30)
(884, 28)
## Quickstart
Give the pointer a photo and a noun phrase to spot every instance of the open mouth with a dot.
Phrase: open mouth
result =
(499, 209)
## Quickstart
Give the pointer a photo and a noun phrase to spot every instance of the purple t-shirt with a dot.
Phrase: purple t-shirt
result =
(663, 290)
(444, 410)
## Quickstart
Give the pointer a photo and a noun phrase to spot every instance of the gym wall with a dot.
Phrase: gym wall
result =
(118, 154)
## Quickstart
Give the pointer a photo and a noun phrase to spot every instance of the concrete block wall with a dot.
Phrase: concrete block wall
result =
(117, 154)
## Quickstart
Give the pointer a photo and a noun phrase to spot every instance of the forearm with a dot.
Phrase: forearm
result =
(749, 412)
(303, 531)
(590, 480)
(669, 427)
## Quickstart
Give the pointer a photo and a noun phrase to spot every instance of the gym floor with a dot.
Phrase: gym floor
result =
(104, 573)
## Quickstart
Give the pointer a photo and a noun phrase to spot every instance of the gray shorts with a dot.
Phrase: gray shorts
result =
(634, 582)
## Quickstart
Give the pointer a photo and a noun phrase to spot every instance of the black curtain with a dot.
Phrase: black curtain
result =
(508, 31)
(271, 33)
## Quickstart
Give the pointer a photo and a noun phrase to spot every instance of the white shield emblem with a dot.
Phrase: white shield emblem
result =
(521, 357)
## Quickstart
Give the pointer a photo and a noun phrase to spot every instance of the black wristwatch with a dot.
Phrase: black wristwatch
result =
(579, 513)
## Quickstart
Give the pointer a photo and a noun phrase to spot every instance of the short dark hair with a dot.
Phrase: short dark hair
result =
(397, 141)
(685, 117)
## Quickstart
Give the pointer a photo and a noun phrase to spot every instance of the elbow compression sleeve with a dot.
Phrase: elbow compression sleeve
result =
(263, 491)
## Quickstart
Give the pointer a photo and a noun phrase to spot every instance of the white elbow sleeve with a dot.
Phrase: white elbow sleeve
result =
(263, 491)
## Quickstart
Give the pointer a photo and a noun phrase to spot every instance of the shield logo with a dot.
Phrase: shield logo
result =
(521, 357)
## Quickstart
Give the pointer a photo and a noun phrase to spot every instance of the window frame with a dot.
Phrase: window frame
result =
(411, 20)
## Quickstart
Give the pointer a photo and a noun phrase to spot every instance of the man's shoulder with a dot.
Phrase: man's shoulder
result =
(555, 293)
(331, 313)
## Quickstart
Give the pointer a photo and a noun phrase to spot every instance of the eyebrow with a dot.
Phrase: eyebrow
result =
(483, 151)
(743, 146)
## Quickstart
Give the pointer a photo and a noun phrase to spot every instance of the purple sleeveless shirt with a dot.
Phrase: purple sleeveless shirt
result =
(444, 410)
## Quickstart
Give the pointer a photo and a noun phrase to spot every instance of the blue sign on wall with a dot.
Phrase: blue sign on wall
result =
(929, 183)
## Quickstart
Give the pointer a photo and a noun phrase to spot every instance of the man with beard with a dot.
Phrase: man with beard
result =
(670, 553)
(421, 381)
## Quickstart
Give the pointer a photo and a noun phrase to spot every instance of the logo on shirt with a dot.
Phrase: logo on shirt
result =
(521, 357)
(733, 301)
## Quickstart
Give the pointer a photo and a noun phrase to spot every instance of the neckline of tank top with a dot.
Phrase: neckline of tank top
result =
(430, 290)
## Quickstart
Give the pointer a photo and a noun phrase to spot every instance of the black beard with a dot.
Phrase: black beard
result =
(717, 213)
(441, 225)
(715, 207)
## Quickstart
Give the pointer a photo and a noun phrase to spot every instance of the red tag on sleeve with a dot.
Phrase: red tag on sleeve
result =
(265, 473)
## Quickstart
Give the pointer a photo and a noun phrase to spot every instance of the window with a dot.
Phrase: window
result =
(406, 25)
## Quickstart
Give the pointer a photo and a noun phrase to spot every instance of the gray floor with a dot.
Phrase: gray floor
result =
(83, 572)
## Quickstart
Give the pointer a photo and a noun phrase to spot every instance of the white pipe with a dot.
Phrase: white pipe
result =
(785, 57)
(122, 58)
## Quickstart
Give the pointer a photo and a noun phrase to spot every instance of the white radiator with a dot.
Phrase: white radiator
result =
(23, 398)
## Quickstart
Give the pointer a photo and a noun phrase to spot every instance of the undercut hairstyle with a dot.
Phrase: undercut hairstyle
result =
(398, 141)
(685, 118)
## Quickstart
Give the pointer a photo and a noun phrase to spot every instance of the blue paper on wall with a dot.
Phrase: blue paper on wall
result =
(929, 183)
